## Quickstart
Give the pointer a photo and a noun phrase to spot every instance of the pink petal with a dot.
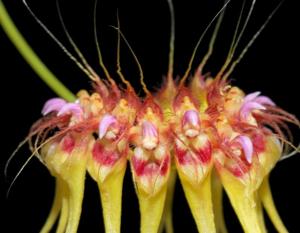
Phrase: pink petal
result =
(191, 117)
(105, 123)
(264, 100)
(54, 104)
(248, 107)
(149, 129)
(251, 96)
(71, 108)
(247, 146)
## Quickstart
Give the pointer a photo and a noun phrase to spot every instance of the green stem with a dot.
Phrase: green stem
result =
(30, 56)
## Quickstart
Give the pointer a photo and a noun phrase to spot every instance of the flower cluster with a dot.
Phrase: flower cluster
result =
(208, 132)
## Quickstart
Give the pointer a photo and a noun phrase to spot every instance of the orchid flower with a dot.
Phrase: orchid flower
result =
(205, 130)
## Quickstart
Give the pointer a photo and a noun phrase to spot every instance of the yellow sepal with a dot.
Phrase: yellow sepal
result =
(73, 171)
(56, 206)
(217, 199)
(167, 218)
(151, 209)
(111, 196)
(200, 201)
(268, 203)
(245, 202)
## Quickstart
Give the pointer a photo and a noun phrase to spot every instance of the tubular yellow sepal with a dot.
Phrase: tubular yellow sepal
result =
(74, 177)
(167, 218)
(151, 209)
(268, 203)
(64, 213)
(217, 199)
(56, 207)
(73, 172)
(111, 197)
(245, 202)
(200, 202)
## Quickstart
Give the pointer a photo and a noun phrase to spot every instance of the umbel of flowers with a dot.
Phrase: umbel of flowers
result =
(206, 131)
(209, 133)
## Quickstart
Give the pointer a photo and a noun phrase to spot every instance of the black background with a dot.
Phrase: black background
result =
(270, 66)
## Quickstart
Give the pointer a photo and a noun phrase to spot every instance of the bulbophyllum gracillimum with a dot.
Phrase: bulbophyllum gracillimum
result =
(208, 132)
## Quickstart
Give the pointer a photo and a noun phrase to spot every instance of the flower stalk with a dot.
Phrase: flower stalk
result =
(30, 56)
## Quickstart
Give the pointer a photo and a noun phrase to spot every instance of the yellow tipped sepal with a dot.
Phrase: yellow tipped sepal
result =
(249, 192)
(217, 199)
(69, 168)
(167, 218)
(199, 199)
(56, 206)
(64, 213)
(151, 190)
(110, 188)
(151, 209)
(268, 203)
(73, 172)
(245, 201)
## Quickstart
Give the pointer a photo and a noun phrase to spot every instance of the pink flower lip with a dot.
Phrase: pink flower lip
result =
(264, 100)
(149, 129)
(248, 107)
(191, 117)
(254, 97)
(251, 96)
(71, 108)
(105, 123)
(54, 104)
(150, 135)
(247, 146)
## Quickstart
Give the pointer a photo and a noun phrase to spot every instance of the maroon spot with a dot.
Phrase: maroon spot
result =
(104, 157)
(68, 144)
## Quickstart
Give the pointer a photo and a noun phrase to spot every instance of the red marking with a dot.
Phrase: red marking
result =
(104, 157)
(143, 167)
(218, 165)
(68, 144)
(259, 143)
(138, 165)
(182, 156)
(203, 155)
(182, 93)
(165, 165)
(238, 170)
(149, 103)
